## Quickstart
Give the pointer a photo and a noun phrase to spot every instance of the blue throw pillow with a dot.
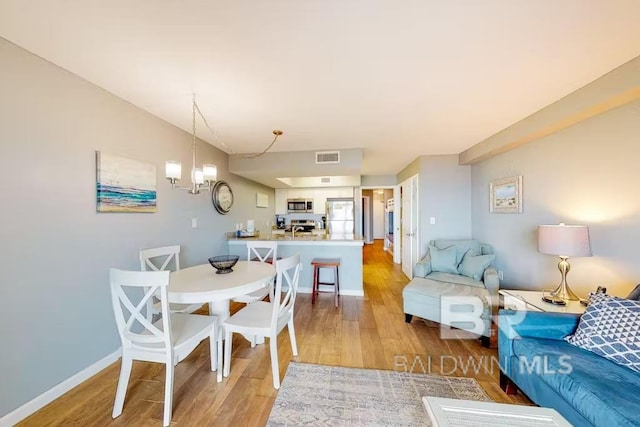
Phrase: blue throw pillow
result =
(462, 246)
(610, 327)
(473, 265)
(443, 260)
(595, 297)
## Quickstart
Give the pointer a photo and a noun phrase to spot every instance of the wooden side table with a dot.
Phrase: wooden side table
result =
(532, 301)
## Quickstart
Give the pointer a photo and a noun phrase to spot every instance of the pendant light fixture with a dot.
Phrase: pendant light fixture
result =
(200, 177)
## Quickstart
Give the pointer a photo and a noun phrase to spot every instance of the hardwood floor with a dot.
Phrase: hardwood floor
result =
(367, 332)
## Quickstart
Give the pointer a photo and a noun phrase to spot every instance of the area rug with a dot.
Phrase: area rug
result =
(335, 396)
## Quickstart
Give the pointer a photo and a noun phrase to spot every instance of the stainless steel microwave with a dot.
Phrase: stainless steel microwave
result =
(299, 205)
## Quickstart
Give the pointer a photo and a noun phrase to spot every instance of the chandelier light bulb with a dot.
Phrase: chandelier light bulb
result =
(197, 177)
(173, 170)
(210, 172)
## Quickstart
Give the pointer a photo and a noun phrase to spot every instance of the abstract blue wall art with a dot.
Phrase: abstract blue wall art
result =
(124, 185)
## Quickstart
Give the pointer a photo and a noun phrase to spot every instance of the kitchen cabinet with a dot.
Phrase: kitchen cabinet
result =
(320, 200)
(321, 195)
(344, 192)
(318, 195)
(300, 193)
(281, 201)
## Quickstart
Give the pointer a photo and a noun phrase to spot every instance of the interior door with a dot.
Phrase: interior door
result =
(409, 190)
(378, 215)
(366, 219)
(397, 225)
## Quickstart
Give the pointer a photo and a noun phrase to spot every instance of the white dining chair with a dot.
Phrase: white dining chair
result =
(263, 251)
(168, 340)
(159, 259)
(267, 319)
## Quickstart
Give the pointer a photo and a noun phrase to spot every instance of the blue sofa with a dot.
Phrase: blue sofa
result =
(588, 390)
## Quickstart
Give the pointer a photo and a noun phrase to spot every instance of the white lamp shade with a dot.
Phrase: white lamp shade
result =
(564, 240)
(197, 177)
(173, 170)
(210, 172)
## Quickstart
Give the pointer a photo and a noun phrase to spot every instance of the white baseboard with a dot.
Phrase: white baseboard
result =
(347, 292)
(52, 394)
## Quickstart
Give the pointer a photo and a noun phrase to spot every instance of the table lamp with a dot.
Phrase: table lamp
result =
(564, 241)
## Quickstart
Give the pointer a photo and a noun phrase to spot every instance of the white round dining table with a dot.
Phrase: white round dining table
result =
(201, 284)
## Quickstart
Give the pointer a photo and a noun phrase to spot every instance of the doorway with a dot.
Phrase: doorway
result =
(381, 217)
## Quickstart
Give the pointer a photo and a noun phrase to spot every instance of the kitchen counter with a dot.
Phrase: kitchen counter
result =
(347, 247)
(305, 239)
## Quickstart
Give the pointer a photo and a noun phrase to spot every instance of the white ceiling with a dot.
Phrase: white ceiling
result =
(397, 78)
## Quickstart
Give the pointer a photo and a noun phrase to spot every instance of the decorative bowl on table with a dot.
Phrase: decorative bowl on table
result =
(223, 263)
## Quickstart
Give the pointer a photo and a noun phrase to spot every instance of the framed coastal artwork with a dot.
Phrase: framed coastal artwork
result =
(506, 195)
(124, 185)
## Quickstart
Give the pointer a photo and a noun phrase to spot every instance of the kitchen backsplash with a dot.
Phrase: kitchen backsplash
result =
(308, 216)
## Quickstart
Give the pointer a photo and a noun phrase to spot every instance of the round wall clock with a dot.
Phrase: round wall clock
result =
(222, 197)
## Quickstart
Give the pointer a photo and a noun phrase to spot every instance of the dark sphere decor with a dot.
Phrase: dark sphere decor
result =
(223, 263)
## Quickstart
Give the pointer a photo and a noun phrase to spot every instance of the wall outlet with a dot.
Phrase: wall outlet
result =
(500, 275)
(432, 220)
(194, 222)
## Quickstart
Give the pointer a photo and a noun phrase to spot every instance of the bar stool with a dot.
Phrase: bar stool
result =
(319, 263)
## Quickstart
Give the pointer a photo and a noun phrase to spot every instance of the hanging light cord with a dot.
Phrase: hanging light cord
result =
(276, 132)
(193, 125)
(215, 136)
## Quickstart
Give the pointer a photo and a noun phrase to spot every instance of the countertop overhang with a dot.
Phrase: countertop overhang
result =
(315, 240)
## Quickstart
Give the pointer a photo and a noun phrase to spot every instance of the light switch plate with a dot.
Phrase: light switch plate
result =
(194, 222)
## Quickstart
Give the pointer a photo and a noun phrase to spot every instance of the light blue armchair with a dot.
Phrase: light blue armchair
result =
(422, 296)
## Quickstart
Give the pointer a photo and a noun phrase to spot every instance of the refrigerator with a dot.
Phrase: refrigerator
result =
(340, 216)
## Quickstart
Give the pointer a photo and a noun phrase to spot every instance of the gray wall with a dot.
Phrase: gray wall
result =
(408, 171)
(350, 268)
(300, 163)
(55, 303)
(274, 165)
(585, 174)
(378, 180)
(444, 192)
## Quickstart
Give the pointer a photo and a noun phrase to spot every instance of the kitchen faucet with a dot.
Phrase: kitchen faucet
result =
(294, 229)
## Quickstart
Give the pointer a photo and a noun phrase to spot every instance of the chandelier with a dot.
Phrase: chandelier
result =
(207, 175)
(200, 177)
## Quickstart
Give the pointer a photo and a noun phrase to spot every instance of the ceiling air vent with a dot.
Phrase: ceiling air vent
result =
(325, 180)
(327, 157)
